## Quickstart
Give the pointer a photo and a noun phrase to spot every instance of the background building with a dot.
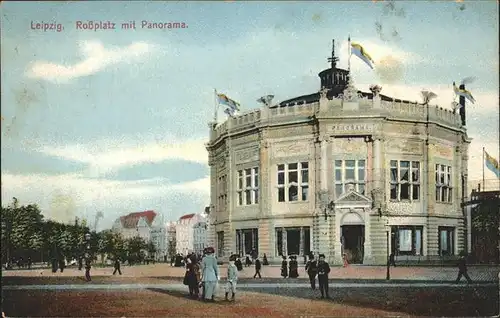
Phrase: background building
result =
(185, 232)
(171, 239)
(340, 171)
(135, 224)
(199, 236)
(483, 226)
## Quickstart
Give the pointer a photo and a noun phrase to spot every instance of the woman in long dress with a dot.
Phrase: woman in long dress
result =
(284, 268)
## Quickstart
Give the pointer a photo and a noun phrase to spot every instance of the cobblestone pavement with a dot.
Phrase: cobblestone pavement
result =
(477, 273)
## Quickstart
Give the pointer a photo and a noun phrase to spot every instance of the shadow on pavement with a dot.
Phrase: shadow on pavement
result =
(182, 294)
(432, 302)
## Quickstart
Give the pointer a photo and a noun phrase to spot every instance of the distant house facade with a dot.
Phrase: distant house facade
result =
(199, 236)
(190, 229)
(171, 238)
(135, 224)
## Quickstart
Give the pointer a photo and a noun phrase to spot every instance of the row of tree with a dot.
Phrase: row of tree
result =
(27, 235)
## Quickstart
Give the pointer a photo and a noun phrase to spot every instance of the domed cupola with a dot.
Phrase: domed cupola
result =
(333, 79)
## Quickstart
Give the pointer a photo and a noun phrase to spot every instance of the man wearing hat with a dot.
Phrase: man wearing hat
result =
(210, 273)
(323, 271)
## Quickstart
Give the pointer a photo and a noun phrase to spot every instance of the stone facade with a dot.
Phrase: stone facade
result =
(322, 138)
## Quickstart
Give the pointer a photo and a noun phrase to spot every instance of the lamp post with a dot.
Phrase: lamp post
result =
(387, 231)
(87, 256)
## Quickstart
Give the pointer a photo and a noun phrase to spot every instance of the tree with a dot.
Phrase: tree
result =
(151, 248)
(21, 230)
(111, 244)
(135, 248)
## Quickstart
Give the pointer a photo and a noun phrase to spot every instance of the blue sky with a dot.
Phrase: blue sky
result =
(116, 120)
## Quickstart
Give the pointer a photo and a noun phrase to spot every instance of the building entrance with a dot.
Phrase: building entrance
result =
(353, 239)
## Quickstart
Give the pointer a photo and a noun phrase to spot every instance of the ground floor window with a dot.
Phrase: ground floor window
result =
(220, 244)
(292, 240)
(446, 240)
(247, 241)
(407, 240)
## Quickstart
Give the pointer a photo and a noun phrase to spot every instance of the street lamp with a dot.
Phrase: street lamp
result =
(387, 231)
(87, 257)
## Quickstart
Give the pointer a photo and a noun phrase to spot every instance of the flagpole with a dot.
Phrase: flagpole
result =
(484, 163)
(349, 54)
(216, 106)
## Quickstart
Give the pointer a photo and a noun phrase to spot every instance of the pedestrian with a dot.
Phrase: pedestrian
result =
(284, 268)
(54, 265)
(192, 271)
(87, 269)
(210, 273)
(293, 267)
(61, 263)
(117, 266)
(462, 268)
(323, 271)
(265, 262)
(29, 262)
(248, 262)
(238, 264)
(344, 258)
(312, 271)
(80, 263)
(232, 278)
(258, 266)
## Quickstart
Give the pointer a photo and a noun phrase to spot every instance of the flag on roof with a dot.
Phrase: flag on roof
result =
(359, 51)
(492, 164)
(464, 93)
(224, 100)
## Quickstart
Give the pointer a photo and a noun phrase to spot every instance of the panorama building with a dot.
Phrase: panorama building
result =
(338, 172)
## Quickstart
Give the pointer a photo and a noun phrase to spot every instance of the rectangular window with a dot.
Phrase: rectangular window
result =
(407, 240)
(444, 186)
(220, 244)
(350, 172)
(293, 182)
(405, 180)
(279, 242)
(248, 186)
(446, 241)
(281, 183)
(222, 193)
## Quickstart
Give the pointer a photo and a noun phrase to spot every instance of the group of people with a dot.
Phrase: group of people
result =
(290, 268)
(20, 262)
(204, 274)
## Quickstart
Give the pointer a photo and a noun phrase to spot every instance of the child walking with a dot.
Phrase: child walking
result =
(232, 278)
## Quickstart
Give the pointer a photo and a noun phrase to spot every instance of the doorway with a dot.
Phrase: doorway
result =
(353, 239)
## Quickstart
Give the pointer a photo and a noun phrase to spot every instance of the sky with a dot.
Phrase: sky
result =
(115, 120)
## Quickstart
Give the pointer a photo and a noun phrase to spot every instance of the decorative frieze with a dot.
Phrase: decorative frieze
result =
(443, 151)
(291, 149)
(404, 146)
(247, 155)
(350, 146)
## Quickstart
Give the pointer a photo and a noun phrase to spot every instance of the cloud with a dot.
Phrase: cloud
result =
(97, 58)
(61, 197)
(107, 155)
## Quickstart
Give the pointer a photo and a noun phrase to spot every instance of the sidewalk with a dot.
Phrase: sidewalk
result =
(353, 272)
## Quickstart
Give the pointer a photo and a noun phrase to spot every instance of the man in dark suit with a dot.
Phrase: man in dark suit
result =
(258, 266)
(323, 271)
(462, 269)
(312, 271)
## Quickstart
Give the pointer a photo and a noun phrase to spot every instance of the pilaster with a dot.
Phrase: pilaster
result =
(367, 257)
